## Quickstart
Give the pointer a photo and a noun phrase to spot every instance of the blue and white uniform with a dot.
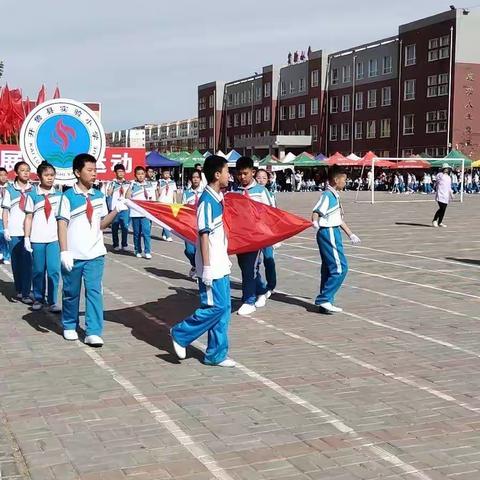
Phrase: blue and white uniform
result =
(329, 238)
(14, 201)
(213, 316)
(44, 241)
(4, 247)
(85, 242)
(252, 282)
(191, 197)
(142, 226)
(167, 192)
(118, 190)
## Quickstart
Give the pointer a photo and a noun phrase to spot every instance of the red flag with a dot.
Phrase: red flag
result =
(56, 93)
(6, 127)
(249, 225)
(27, 107)
(42, 94)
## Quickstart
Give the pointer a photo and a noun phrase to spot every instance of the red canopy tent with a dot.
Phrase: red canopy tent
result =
(406, 164)
(338, 159)
(370, 158)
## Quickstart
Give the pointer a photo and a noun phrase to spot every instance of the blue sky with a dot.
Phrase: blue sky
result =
(144, 60)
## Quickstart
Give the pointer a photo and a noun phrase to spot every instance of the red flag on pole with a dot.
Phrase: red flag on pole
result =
(249, 225)
(42, 94)
(56, 93)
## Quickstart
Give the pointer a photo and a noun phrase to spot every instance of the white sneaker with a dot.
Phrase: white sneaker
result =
(70, 335)
(435, 224)
(169, 239)
(180, 351)
(164, 238)
(261, 301)
(148, 256)
(269, 294)
(228, 362)
(126, 249)
(329, 308)
(442, 225)
(7, 262)
(117, 249)
(94, 341)
(27, 301)
(138, 255)
(37, 306)
(193, 273)
(18, 296)
(55, 308)
(246, 309)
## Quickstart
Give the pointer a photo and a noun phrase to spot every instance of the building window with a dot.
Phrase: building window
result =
(243, 119)
(258, 94)
(360, 72)
(432, 55)
(333, 133)
(236, 120)
(249, 117)
(346, 73)
(345, 103)
(249, 95)
(372, 99)
(292, 87)
(229, 121)
(436, 121)
(314, 78)
(408, 124)
(229, 100)
(373, 67)
(444, 41)
(358, 130)
(258, 116)
(283, 89)
(386, 96)
(301, 84)
(301, 110)
(385, 127)
(438, 48)
(266, 114)
(211, 143)
(210, 101)
(345, 131)
(409, 90)
(443, 84)
(292, 112)
(359, 101)
(314, 106)
(267, 88)
(410, 55)
(371, 128)
(437, 85)
(202, 103)
(202, 123)
(333, 105)
(334, 76)
(283, 112)
(314, 132)
(387, 65)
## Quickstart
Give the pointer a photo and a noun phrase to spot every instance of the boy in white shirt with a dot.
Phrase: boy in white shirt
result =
(167, 193)
(4, 249)
(117, 190)
(82, 217)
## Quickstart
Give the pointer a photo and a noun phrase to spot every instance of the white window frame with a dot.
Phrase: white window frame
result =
(409, 95)
(345, 131)
(346, 103)
(292, 112)
(372, 72)
(334, 78)
(314, 78)
(371, 129)
(387, 69)
(267, 90)
(283, 88)
(301, 84)
(266, 114)
(346, 73)
(358, 105)
(291, 87)
(283, 112)
(358, 130)
(411, 130)
(333, 105)
(301, 110)
(314, 132)
(384, 131)
(372, 98)
(412, 60)
(258, 116)
(386, 101)
(333, 133)
(360, 71)
(314, 102)
(236, 120)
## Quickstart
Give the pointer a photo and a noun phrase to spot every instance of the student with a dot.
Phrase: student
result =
(203, 183)
(141, 189)
(117, 189)
(41, 238)
(213, 270)
(167, 189)
(151, 176)
(262, 179)
(443, 195)
(253, 289)
(4, 248)
(191, 196)
(328, 219)
(13, 205)
(82, 217)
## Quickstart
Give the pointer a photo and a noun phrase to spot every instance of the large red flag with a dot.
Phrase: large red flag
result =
(42, 95)
(249, 225)
(6, 127)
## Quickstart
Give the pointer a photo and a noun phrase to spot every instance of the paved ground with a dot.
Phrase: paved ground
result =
(388, 389)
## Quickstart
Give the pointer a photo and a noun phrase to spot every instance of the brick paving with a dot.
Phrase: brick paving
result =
(387, 390)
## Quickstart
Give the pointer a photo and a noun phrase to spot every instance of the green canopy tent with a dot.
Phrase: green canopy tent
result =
(194, 158)
(268, 160)
(455, 157)
(305, 160)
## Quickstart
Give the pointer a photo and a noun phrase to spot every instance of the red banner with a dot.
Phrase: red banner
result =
(129, 157)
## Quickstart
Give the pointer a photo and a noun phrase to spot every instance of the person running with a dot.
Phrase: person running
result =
(443, 195)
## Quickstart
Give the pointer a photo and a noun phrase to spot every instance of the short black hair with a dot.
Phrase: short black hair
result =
(118, 166)
(335, 171)
(150, 168)
(19, 164)
(196, 172)
(44, 166)
(166, 169)
(81, 159)
(212, 165)
(244, 162)
(3, 169)
(197, 165)
(139, 168)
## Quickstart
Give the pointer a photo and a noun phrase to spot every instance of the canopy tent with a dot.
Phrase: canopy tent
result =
(289, 158)
(320, 157)
(305, 159)
(206, 154)
(414, 163)
(352, 156)
(476, 164)
(370, 158)
(338, 159)
(255, 158)
(193, 159)
(455, 157)
(268, 161)
(155, 159)
(221, 154)
(233, 156)
(172, 155)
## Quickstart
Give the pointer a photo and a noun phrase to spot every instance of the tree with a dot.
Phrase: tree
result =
(1, 68)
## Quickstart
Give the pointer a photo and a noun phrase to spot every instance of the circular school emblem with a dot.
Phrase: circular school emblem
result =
(58, 130)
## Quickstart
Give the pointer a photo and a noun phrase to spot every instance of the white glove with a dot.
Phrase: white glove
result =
(316, 225)
(354, 239)
(27, 244)
(207, 275)
(121, 206)
(6, 235)
(66, 258)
